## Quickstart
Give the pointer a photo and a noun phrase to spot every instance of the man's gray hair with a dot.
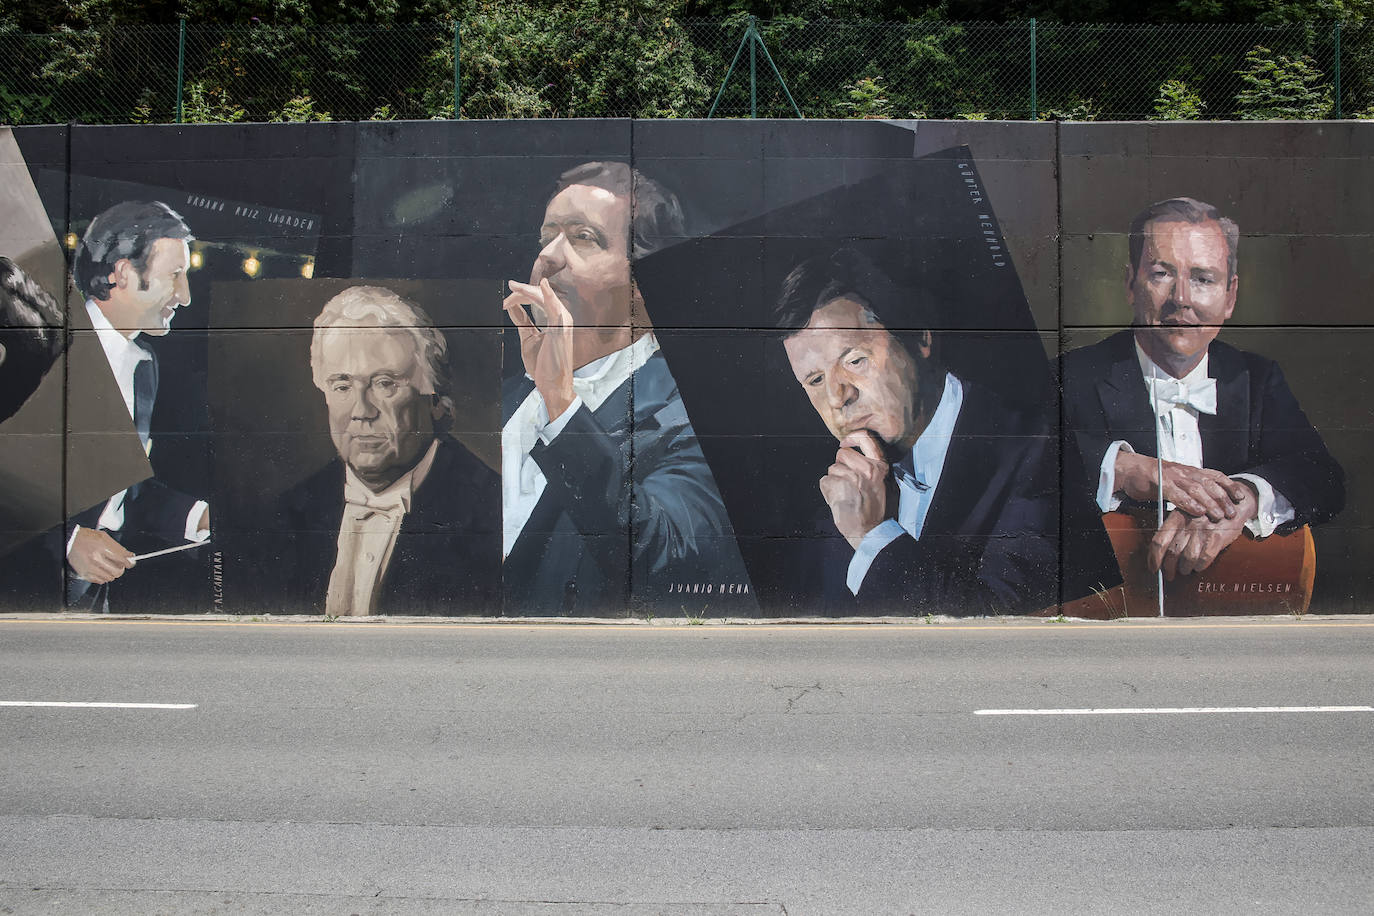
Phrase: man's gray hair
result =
(1185, 210)
(378, 307)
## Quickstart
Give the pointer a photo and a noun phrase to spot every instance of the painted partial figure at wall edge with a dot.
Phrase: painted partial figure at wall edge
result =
(31, 336)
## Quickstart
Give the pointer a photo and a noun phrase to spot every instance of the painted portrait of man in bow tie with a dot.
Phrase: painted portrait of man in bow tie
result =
(1238, 453)
(415, 512)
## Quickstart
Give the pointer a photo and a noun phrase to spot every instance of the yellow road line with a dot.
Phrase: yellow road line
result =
(1028, 626)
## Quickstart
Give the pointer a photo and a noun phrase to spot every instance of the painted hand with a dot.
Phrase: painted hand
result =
(548, 351)
(97, 557)
(1197, 491)
(855, 487)
(1188, 544)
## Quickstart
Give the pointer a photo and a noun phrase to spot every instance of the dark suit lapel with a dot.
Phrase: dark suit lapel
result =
(614, 416)
(437, 507)
(649, 388)
(964, 477)
(1125, 400)
(959, 480)
(1226, 435)
(614, 413)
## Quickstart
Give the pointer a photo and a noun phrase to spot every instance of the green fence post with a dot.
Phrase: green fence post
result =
(181, 64)
(778, 73)
(753, 71)
(1035, 113)
(728, 73)
(754, 40)
(457, 63)
(1338, 71)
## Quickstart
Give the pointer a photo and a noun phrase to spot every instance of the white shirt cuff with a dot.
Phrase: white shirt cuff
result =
(71, 540)
(193, 523)
(1274, 508)
(549, 431)
(1107, 500)
(873, 542)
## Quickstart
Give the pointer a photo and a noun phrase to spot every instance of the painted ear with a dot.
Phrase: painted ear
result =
(924, 343)
(122, 273)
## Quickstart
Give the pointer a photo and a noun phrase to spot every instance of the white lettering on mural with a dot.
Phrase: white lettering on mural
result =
(987, 229)
(708, 588)
(204, 203)
(218, 580)
(250, 212)
(1236, 588)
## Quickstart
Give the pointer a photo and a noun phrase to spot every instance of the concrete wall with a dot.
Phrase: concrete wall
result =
(687, 478)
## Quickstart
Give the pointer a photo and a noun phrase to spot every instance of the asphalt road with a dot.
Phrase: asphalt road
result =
(449, 768)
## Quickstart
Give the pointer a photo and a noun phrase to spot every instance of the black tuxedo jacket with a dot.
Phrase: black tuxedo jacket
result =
(154, 513)
(1258, 427)
(447, 559)
(991, 539)
(630, 510)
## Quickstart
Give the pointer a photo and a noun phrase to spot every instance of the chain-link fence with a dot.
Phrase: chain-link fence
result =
(530, 63)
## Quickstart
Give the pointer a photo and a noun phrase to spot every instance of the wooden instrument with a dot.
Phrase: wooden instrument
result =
(1269, 576)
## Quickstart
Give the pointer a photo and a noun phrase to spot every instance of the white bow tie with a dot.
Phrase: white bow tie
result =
(1200, 395)
(363, 503)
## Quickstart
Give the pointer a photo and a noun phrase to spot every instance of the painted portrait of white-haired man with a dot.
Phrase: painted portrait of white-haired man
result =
(378, 307)
(416, 513)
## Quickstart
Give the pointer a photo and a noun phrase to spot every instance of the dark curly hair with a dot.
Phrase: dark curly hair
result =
(656, 212)
(31, 336)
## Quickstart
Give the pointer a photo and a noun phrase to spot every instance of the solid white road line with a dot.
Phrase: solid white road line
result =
(1164, 710)
(98, 705)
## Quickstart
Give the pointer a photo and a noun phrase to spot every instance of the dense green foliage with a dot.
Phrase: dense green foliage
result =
(1176, 102)
(1282, 87)
(49, 15)
(115, 60)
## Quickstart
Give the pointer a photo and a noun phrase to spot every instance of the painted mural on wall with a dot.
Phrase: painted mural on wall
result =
(1172, 422)
(356, 468)
(723, 369)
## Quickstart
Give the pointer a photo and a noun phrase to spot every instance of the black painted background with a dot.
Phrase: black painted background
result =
(450, 210)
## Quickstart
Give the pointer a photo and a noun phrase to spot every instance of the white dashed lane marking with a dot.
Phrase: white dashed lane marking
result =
(1166, 710)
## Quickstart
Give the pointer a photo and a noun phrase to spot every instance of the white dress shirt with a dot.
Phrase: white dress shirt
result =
(522, 481)
(915, 491)
(1180, 441)
(367, 538)
(124, 356)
